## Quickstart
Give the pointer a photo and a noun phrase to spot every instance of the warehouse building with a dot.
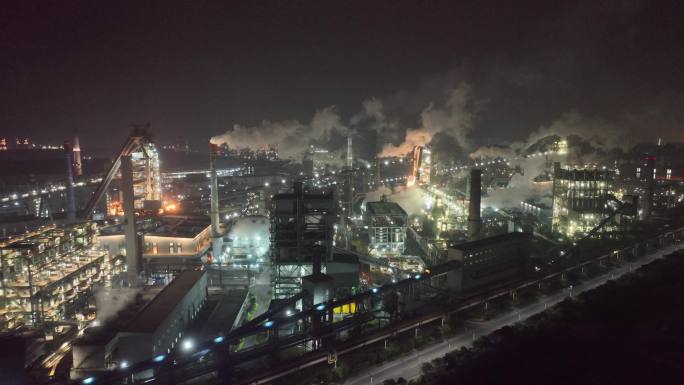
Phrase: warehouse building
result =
(487, 262)
(146, 329)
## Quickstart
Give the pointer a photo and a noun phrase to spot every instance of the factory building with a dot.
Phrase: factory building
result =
(301, 234)
(539, 210)
(655, 174)
(144, 329)
(580, 199)
(48, 273)
(387, 223)
(166, 241)
(489, 261)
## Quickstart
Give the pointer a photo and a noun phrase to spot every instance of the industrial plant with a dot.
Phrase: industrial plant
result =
(378, 198)
(121, 270)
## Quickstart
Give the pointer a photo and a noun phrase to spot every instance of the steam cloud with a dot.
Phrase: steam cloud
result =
(453, 117)
(522, 187)
(291, 138)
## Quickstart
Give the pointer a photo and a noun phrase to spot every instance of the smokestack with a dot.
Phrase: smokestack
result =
(133, 254)
(78, 166)
(350, 154)
(474, 222)
(71, 198)
(214, 208)
(649, 187)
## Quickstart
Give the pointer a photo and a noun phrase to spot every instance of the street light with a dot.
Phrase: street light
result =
(188, 344)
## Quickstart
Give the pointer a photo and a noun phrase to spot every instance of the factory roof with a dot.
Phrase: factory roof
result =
(154, 313)
(187, 227)
(385, 208)
(480, 243)
(167, 226)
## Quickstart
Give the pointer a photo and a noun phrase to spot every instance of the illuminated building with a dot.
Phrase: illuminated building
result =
(166, 241)
(3, 144)
(580, 199)
(387, 223)
(146, 171)
(146, 182)
(47, 274)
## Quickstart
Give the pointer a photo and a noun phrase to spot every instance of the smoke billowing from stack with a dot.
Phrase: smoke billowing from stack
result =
(71, 197)
(647, 201)
(474, 222)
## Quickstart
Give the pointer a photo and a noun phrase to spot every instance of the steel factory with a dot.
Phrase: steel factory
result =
(311, 193)
(117, 276)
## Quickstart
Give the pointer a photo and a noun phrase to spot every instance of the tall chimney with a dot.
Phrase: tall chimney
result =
(350, 154)
(649, 188)
(133, 249)
(216, 241)
(71, 197)
(78, 166)
(474, 222)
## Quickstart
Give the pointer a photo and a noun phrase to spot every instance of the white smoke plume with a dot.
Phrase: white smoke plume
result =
(453, 116)
(455, 119)
(291, 138)
(109, 301)
(523, 187)
(600, 134)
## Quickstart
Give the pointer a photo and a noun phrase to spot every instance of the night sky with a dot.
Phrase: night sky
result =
(194, 69)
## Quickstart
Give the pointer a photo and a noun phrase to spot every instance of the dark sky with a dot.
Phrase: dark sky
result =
(195, 68)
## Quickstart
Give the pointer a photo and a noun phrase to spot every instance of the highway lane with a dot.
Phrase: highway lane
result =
(408, 366)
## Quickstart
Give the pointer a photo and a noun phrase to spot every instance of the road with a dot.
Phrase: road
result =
(408, 366)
